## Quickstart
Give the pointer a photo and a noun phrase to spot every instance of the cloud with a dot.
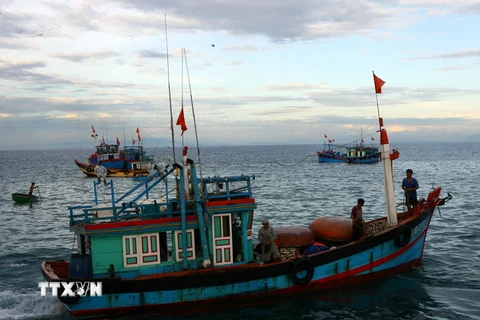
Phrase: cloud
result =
(92, 56)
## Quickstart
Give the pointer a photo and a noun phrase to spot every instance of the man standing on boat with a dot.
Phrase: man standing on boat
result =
(32, 186)
(357, 220)
(410, 186)
(267, 236)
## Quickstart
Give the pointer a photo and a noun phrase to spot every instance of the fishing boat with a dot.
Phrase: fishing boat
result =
(150, 248)
(331, 153)
(362, 154)
(24, 198)
(129, 161)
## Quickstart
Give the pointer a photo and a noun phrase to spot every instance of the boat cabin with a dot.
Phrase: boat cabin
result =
(149, 230)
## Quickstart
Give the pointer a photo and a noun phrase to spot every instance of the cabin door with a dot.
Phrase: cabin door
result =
(222, 239)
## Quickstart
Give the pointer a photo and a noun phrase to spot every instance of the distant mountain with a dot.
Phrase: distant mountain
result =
(475, 138)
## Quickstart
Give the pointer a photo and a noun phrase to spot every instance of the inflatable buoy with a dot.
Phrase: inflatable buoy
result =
(337, 229)
(299, 266)
(293, 236)
(402, 236)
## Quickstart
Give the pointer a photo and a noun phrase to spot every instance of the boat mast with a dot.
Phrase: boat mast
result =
(386, 161)
(169, 93)
(184, 148)
(193, 113)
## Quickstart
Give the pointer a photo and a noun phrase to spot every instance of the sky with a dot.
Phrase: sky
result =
(246, 72)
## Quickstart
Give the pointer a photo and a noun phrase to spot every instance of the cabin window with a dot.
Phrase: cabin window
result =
(141, 250)
(190, 245)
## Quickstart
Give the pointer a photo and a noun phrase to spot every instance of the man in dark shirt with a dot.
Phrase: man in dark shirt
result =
(357, 220)
(410, 186)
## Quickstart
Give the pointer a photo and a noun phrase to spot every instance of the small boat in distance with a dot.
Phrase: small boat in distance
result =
(362, 154)
(24, 198)
(129, 161)
(331, 154)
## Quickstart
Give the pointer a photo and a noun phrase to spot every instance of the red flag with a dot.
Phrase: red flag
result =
(181, 121)
(378, 83)
(94, 134)
(118, 141)
(363, 141)
(373, 138)
(329, 141)
(138, 130)
(139, 138)
(133, 141)
(325, 136)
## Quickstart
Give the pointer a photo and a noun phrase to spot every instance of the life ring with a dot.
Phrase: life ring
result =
(302, 264)
(68, 299)
(403, 236)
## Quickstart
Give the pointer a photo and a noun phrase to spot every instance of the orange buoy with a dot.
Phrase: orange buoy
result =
(337, 229)
(293, 236)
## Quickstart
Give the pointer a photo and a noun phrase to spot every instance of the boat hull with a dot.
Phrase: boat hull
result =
(363, 160)
(23, 198)
(89, 170)
(330, 157)
(374, 256)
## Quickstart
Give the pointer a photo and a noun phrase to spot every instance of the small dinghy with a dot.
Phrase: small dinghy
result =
(23, 198)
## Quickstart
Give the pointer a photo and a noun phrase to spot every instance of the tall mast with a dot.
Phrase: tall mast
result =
(193, 113)
(169, 93)
(386, 161)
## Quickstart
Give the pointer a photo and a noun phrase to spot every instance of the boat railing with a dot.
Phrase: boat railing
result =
(103, 213)
(227, 188)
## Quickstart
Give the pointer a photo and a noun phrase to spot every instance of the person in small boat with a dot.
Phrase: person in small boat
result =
(357, 220)
(267, 236)
(410, 186)
(32, 186)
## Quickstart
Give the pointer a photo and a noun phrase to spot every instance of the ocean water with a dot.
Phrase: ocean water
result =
(291, 188)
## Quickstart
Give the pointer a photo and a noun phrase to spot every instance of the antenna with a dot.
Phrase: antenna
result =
(193, 113)
(169, 92)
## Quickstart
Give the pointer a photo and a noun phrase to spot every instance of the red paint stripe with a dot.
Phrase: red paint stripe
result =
(371, 265)
(123, 224)
(228, 202)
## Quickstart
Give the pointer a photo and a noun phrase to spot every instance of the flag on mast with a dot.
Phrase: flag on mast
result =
(378, 83)
(138, 135)
(118, 141)
(181, 121)
(94, 133)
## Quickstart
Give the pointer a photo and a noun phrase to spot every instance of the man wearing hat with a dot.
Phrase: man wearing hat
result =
(267, 236)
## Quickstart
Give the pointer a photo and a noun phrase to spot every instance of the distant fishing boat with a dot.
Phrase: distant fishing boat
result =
(179, 240)
(330, 153)
(129, 161)
(362, 154)
(24, 198)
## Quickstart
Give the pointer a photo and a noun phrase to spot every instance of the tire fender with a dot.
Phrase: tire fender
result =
(403, 236)
(299, 265)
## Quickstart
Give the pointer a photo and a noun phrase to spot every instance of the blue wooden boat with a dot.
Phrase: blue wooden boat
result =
(195, 247)
(362, 154)
(331, 153)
